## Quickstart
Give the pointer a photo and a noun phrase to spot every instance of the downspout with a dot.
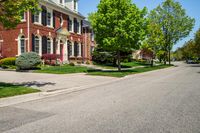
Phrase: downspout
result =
(28, 29)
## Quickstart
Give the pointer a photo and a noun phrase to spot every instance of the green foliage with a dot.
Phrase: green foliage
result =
(11, 10)
(10, 61)
(190, 50)
(174, 23)
(28, 61)
(71, 64)
(119, 26)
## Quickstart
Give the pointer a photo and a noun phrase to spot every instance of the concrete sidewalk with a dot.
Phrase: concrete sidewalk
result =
(49, 84)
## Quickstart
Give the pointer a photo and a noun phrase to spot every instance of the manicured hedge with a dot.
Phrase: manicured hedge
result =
(7, 62)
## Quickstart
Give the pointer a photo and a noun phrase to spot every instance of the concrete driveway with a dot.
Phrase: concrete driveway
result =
(52, 82)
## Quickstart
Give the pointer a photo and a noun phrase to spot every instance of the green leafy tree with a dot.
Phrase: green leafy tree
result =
(119, 26)
(174, 22)
(197, 43)
(188, 50)
(155, 39)
(11, 11)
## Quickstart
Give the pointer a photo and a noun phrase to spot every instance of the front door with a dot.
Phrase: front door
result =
(61, 52)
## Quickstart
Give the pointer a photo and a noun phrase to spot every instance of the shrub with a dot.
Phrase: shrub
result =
(50, 59)
(8, 62)
(71, 64)
(28, 61)
(88, 62)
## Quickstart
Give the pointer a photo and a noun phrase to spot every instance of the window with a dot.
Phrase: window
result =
(61, 1)
(37, 17)
(78, 27)
(76, 49)
(48, 46)
(75, 5)
(70, 25)
(37, 45)
(23, 17)
(22, 45)
(49, 16)
(69, 48)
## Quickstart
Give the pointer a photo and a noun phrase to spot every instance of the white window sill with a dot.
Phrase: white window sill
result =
(23, 20)
(50, 26)
(37, 23)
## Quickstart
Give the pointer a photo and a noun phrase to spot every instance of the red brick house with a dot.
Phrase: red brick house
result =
(57, 29)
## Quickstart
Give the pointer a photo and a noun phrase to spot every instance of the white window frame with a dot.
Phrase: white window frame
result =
(39, 45)
(51, 45)
(23, 19)
(51, 19)
(72, 19)
(79, 28)
(19, 44)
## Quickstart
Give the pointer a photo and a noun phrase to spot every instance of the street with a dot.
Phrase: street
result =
(163, 101)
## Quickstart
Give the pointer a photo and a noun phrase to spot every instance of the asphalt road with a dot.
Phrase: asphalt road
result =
(164, 101)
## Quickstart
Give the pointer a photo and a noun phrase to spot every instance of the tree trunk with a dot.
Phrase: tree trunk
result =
(114, 62)
(165, 58)
(119, 60)
(169, 57)
(152, 62)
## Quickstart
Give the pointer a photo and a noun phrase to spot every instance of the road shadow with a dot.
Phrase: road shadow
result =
(194, 65)
(35, 83)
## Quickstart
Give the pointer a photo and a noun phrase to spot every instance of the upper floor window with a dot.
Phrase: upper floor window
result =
(75, 5)
(70, 26)
(49, 18)
(37, 17)
(23, 17)
(78, 27)
(61, 1)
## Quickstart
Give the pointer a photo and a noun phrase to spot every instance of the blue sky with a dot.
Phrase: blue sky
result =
(192, 8)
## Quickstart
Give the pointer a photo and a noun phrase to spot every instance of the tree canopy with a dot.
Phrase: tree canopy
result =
(11, 11)
(119, 25)
(174, 22)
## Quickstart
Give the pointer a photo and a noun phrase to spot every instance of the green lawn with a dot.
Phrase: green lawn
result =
(114, 73)
(8, 90)
(65, 69)
(123, 65)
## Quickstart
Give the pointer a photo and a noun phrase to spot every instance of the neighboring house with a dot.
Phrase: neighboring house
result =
(88, 40)
(57, 29)
(142, 54)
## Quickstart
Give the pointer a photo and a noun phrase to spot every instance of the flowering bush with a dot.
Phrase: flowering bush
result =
(50, 59)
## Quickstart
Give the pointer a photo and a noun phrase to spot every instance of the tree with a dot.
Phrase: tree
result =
(197, 43)
(155, 39)
(174, 22)
(11, 11)
(119, 26)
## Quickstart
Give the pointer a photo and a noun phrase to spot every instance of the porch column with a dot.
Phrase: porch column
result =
(79, 53)
(58, 47)
(72, 49)
(66, 52)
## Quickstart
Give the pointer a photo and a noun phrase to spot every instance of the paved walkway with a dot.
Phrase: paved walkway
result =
(52, 82)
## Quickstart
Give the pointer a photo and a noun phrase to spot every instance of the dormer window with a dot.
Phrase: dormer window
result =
(75, 5)
(61, 1)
